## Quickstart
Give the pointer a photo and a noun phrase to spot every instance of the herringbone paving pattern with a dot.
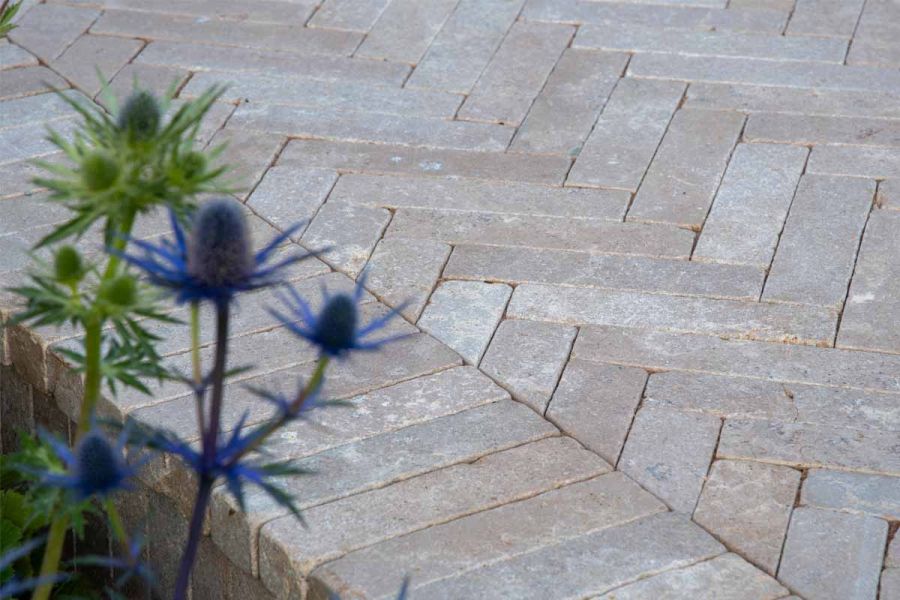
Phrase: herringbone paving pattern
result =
(652, 250)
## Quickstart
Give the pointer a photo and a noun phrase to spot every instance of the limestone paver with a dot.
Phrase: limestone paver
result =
(683, 178)
(637, 221)
(533, 265)
(669, 453)
(527, 358)
(871, 494)
(816, 252)
(747, 505)
(387, 159)
(726, 577)
(340, 527)
(748, 214)
(486, 537)
(464, 315)
(833, 555)
(866, 323)
(595, 403)
(626, 135)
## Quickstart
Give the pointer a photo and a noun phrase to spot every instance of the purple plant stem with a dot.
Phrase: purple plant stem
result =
(210, 447)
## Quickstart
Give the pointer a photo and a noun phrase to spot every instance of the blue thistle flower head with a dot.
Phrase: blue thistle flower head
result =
(95, 467)
(215, 260)
(336, 330)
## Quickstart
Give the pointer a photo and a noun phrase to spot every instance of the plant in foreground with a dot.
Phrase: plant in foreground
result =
(7, 13)
(124, 166)
(119, 165)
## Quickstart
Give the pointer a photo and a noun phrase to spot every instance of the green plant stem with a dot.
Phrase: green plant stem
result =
(93, 379)
(52, 554)
(197, 365)
(115, 520)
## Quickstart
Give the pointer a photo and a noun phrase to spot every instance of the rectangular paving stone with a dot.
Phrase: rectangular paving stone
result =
(753, 398)
(473, 195)
(794, 74)
(13, 57)
(266, 11)
(349, 232)
(237, 60)
(595, 404)
(892, 557)
(726, 576)
(376, 462)
(30, 140)
(816, 253)
(867, 323)
(657, 15)
(46, 30)
(668, 452)
(825, 17)
(359, 521)
(564, 112)
(485, 537)
(247, 154)
(542, 232)
(832, 555)
(710, 43)
(533, 265)
(218, 32)
(403, 273)
(806, 101)
(888, 196)
(747, 505)
(90, 53)
(587, 565)
(748, 213)
(875, 39)
(288, 195)
(352, 15)
(464, 315)
(278, 88)
(405, 30)
(42, 107)
(155, 78)
(725, 318)
(855, 161)
(371, 127)
(875, 495)
(804, 445)
(810, 130)
(624, 139)
(350, 157)
(15, 83)
(781, 362)
(527, 358)
(516, 74)
(890, 584)
(685, 173)
(465, 44)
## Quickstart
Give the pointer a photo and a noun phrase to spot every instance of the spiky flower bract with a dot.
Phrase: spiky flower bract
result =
(95, 467)
(214, 261)
(336, 330)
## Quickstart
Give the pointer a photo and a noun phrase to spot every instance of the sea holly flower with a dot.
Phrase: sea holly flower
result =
(15, 586)
(139, 119)
(215, 260)
(96, 468)
(336, 330)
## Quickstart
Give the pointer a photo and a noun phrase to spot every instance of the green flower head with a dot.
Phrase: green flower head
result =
(140, 117)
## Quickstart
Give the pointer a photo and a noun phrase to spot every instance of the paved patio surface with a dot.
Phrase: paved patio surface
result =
(653, 256)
